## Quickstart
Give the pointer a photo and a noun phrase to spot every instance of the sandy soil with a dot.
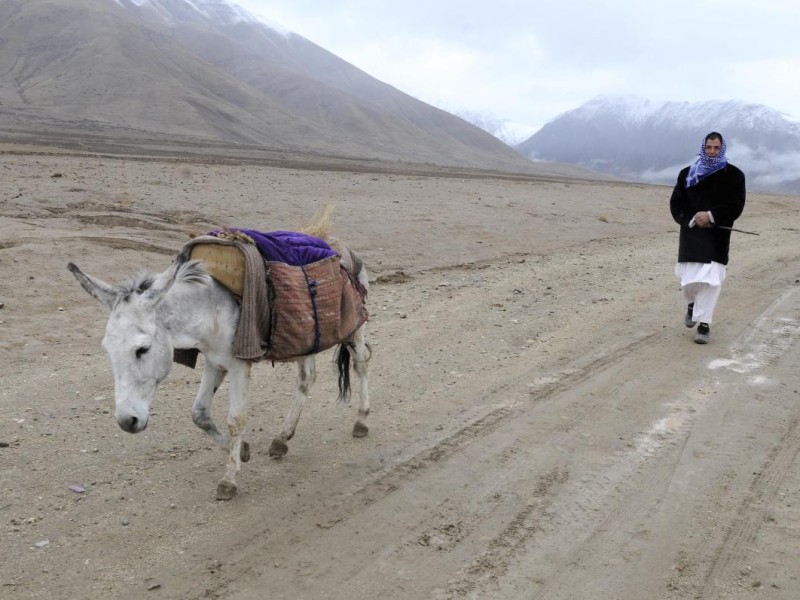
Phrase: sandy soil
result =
(542, 424)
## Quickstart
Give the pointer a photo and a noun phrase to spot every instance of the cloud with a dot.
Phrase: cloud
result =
(529, 61)
(765, 167)
(762, 75)
(666, 176)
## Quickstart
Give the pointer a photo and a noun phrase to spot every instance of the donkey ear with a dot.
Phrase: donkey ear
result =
(103, 292)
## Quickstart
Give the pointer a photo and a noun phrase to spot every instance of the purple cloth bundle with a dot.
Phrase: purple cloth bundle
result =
(290, 247)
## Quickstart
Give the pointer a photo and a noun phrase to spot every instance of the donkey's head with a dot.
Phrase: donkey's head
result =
(136, 340)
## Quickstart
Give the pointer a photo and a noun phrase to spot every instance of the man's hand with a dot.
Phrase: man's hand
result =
(702, 219)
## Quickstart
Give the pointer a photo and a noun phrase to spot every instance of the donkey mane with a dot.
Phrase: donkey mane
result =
(138, 284)
(191, 272)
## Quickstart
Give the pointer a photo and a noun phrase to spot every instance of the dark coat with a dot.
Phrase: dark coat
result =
(722, 193)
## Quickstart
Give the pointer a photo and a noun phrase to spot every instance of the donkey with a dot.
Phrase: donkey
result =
(184, 307)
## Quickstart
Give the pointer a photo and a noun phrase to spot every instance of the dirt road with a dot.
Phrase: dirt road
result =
(542, 425)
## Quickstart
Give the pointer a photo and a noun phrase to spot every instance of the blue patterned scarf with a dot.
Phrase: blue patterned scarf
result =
(704, 165)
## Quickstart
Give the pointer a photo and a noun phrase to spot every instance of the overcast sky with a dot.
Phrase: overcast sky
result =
(528, 61)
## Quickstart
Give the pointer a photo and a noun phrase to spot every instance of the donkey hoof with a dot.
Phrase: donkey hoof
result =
(244, 452)
(278, 449)
(226, 490)
(360, 430)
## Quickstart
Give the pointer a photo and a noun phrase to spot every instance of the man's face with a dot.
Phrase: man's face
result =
(713, 148)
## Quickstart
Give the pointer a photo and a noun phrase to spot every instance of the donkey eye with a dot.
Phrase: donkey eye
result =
(140, 351)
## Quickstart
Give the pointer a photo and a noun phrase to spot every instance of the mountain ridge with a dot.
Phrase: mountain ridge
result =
(207, 69)
(649, 142)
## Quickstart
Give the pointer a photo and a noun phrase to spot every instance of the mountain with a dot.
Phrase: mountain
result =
(87, 72)
(638, 140)
(503, 129)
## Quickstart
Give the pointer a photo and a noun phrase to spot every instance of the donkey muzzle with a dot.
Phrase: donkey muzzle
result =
(131, 423)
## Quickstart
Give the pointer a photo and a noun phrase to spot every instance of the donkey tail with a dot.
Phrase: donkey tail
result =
(343, 365)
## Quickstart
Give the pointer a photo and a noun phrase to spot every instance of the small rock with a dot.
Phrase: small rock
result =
(78, 489)
(125, 521)
(42, 544)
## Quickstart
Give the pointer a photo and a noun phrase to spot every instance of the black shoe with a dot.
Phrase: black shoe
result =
(688, 320)
(702, 334)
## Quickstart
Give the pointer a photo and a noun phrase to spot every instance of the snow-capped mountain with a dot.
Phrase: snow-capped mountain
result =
(503, 129)
(220, 11)
(638, 140)
(208, 71)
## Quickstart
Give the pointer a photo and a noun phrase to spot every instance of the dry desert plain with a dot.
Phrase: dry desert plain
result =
(542, 424)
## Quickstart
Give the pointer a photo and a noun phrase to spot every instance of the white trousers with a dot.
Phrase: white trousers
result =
(701, 284)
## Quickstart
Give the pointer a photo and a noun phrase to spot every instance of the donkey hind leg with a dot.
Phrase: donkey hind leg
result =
(306, 371)
(238, 451)
(361, 352)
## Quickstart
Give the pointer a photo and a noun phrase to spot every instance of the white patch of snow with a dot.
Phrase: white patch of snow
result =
(634, 110)
(223, 11)
(629, 108)
(239, 14)
(730, 364)
(506, 131)
(769, 337)
(197, 8)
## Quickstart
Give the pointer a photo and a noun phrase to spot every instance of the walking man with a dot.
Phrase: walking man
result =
(708, 197)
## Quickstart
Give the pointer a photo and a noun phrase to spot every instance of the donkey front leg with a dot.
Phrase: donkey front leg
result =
(361, 354)
(306, 376)
(201, 409)
(238, 451)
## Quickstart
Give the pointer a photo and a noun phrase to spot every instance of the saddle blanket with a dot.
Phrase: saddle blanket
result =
(297, 296)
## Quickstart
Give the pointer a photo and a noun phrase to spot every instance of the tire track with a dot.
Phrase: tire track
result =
(336, 514)
(108, 242)
(494, 563)
(766, 341)
(620, 504)
(751, 514)
(411, 468)
(126, 244)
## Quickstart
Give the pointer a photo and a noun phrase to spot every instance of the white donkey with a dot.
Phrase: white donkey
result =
(184, 307)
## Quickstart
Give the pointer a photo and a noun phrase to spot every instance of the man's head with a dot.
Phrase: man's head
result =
(713, 144)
